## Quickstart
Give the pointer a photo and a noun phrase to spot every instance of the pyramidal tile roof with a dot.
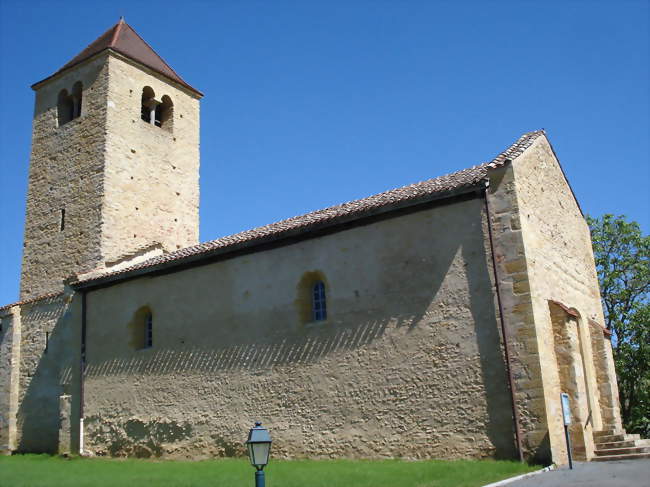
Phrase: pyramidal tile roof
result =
(312, 222)
(124, 39)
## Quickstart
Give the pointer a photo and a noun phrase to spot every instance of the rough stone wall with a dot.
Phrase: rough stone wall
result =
(560, 267)
(514, 282)
(9, 373)
(66, 171)
(45, 372)
(129, 189)
(36, 353)
(410, 355)
(152, 174)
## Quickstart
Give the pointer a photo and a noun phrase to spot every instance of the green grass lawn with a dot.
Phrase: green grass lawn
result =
(48, 471)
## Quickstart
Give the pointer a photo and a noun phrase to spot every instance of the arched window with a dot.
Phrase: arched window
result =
(77, 94)
(148, 105)
(319, 303)
(69, 105)
(158, 113)
(141, 328)
(311, 297)
(165, 114)
(64, 107)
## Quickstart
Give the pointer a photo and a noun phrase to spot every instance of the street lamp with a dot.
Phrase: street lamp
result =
(259, 446)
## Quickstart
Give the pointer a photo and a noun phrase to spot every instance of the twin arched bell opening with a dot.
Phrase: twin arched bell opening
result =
(69, 104)
(156, 112)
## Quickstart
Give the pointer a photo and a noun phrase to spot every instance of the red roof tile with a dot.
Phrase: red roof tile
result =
(31, 300)
(124, 39)
(318, 219)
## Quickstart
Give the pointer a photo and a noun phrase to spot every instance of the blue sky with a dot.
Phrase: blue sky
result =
(309, 104)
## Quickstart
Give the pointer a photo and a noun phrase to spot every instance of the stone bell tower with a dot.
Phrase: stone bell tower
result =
(114, 168)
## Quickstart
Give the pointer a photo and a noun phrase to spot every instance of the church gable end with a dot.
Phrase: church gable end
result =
(557, 258)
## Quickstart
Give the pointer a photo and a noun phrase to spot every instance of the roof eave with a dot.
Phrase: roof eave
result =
(372, 208)
(315, 230)
(182, 85)
(61, 72)
(112, 50)
(7, 307)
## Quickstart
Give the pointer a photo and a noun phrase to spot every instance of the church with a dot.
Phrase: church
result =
(437, 320)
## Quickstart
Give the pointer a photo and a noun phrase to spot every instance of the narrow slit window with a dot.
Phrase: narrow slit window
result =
(319, 304)
(148, 330)
(62, 220)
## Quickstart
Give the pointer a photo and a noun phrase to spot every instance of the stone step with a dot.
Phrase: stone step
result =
(631, 456)
(622, 451)
(617, 437)
(622, 444)
(608, 432)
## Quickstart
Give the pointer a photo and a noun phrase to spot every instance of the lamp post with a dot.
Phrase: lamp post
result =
(259, 446)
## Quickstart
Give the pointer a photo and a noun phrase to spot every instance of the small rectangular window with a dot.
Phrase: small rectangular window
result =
(62, 223)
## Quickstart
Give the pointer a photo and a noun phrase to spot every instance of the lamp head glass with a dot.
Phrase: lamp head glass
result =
(259, 446)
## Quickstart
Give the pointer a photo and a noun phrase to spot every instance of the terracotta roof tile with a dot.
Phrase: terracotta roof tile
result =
(124, 39)
(31, 300)
(304, 223)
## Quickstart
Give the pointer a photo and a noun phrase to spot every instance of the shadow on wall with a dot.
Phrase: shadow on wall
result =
(500, 426)
(6, 330)
(81, 86)
(45, 363)
(238, 343)
(414, 310)
(249, 356)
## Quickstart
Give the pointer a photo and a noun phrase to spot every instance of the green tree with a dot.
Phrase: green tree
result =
(622, 257)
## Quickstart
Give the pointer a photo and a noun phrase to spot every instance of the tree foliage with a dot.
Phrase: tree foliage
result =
(622, 255)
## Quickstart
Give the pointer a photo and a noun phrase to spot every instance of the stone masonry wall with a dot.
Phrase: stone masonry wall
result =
(66, 172)
(45, 368)
(152, 173)
(410, 355)
(9, 372)
(129, 189)
(519, 321)
(36, 352)
(560, 267)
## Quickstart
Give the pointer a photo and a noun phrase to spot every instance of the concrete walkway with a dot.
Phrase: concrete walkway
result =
(623, 473)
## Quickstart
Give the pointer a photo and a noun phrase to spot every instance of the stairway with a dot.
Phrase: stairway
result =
(619, 445)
